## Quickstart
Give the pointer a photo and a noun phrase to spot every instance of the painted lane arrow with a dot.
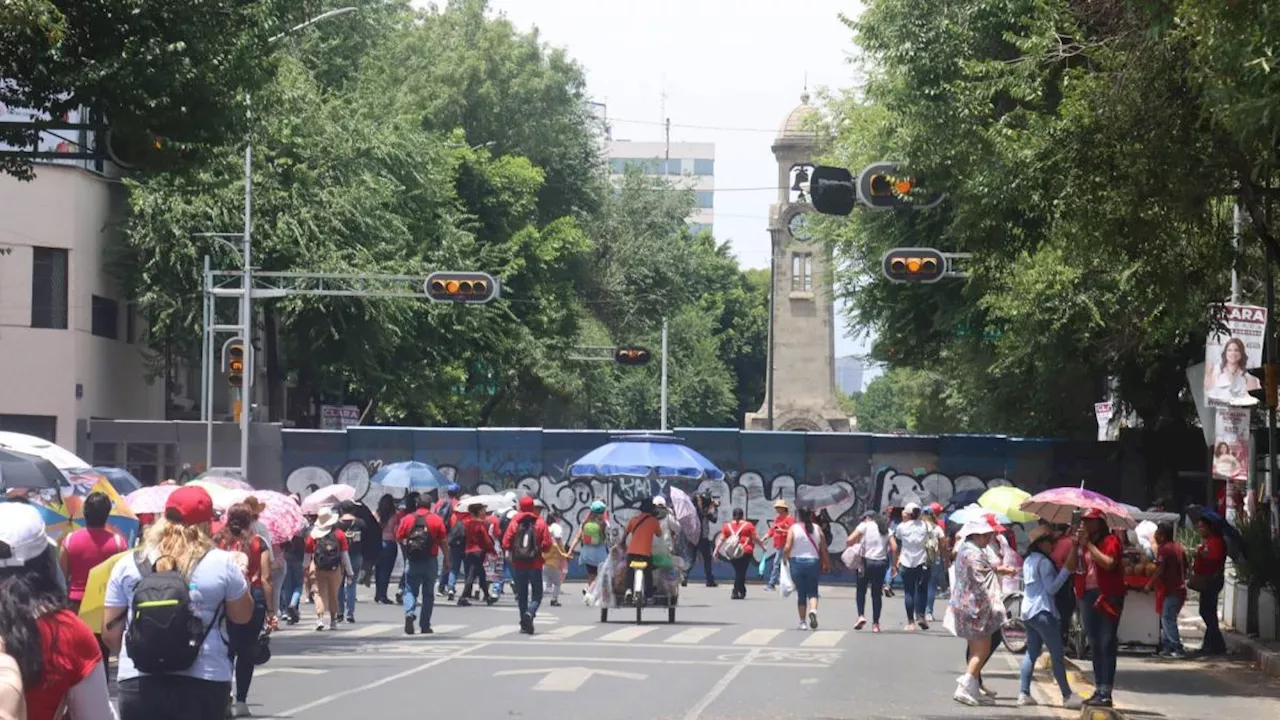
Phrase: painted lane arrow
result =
(568, 679)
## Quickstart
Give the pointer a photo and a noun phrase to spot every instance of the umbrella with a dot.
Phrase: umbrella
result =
(686, 514)
(326, 496)
(57, 520)
(95, 592)
(964, 498)
(19, 470)
(1058, 506)
(977, 512)
(150, 500)
(492, 503)
(1235, 542)
(223, 481)
(411, 475)
(1007, 499)
(222, 497)
(41, 448)
(122, 480)
(1140, 515)
(282, 516)
(643, 456)
(817, 497)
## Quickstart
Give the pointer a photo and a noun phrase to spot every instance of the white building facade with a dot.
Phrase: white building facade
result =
(690, 164)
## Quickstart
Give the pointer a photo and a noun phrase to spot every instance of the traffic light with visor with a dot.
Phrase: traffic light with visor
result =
(462, 287)
(831, 190)
(632, 355)
(233, 362)
(914, 265)
(883, 186)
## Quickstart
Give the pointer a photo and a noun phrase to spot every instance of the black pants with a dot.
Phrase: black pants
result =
(242, 639)
(740, 575)
(1065, 600)
(704, 549)
(872, 576)
(474, 565)
(1214, 643)
(168, 697)
(648, 574)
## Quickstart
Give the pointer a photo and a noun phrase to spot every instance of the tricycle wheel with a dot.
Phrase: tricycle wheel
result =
(671, 615)
(604, 614)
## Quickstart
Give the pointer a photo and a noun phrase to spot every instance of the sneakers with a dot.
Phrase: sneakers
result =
(320, 626)
(862, 622)
(964, 697)
(803, 625)
(929, 617)
(1073, 702)
(813, 619)
(1172, 655)
(428, 630)
(555, 603)
(526, 624)
(1098, 700)
(408, 624)
(463, 602)
(1024, 700)
(241, 710)
(982, 690)
(451, 596)
(351, 619)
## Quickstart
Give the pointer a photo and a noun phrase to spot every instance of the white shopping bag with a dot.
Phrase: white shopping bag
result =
(784, 579)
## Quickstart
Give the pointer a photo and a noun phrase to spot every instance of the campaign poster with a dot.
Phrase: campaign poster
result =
(1229, 354)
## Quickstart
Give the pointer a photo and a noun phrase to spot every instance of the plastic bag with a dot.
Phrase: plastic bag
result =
(764, 565)
(604, 584)
(852, 558)
(949, 620)
(784, 580)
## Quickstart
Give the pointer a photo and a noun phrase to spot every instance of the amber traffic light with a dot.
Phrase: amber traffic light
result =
(462, 287)
(632, 355)
(914, 265)
(233, 362)
(884, 186)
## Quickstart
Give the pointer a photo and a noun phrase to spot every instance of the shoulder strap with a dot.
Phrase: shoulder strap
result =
(145, 567)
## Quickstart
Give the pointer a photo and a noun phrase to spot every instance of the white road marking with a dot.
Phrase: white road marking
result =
(824, 638)
(565, 632)
(759, 636)
(493, 633)
(695, 712)
(447, 628)
(627, 634)
(567, 679)
(291, 671)
(692, 636)
(370, 630)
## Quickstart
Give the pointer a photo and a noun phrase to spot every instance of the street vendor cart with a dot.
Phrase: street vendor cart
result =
(616, 594)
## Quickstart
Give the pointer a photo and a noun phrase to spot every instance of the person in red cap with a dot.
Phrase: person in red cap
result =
(1101, 590)
(217, 591)
(525, 541)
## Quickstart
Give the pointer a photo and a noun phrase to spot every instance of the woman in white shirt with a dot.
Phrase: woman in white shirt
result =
(806, 554)
(915, 544)
(874, 542)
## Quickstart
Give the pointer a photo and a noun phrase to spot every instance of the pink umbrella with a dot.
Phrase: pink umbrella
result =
(150, 499)
(282, 516)
(1058, 506)
(329, 495)
(686, 514)
(229, 483)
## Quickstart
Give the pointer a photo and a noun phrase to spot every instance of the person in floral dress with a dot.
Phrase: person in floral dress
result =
(975, 612)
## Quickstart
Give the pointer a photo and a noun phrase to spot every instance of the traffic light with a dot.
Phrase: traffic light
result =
(831, 190)
(914, 265)
(462, 287)
(883, 186)
(233, 362)
(1267, 394)
(632, 355)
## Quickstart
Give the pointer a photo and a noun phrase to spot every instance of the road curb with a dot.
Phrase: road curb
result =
(1077, 678)
(1265, 660)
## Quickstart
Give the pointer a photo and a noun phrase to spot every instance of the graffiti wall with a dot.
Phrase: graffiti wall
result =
(856, 472)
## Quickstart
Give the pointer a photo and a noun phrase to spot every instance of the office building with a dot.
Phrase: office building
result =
(691, 164)
(849, 374)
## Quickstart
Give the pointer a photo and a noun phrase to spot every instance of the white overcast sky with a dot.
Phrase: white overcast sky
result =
(724, 66)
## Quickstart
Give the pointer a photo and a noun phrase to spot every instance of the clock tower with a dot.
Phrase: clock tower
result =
(800, 388)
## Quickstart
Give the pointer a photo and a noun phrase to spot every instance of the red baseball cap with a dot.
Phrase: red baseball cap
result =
(527, 504)
(991, 520)
(189, 505)
(1092, 514)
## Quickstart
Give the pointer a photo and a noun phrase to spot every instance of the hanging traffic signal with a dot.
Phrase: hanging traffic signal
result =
(883, 186)
(632, 355)
(914, 265)
(233, 362)
(1268, 394)
(831, 190)
(462, 287)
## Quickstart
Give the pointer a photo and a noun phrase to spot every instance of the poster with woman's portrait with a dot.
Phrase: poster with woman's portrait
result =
(1230, 353)
(1231, 444)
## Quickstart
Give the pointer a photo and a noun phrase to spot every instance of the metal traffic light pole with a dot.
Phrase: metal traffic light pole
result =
(664, 375)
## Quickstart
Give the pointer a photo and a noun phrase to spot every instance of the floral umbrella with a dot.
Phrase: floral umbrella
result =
(328, 495)
(1058, 506)
(150, 500)
(223, 481)
(282, 516)
(686, 514)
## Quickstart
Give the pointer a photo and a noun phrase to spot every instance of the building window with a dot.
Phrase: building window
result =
(696, 228)
(704, 167)
(41, 426)
(706, 198)
(802, 272)
(106, 318)
(49, 288)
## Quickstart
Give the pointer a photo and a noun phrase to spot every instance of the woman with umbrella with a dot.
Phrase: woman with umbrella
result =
(1101, 590)
(975, 608)
(1208, 577)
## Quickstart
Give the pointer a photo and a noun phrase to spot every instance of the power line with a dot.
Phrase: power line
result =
(692, 127)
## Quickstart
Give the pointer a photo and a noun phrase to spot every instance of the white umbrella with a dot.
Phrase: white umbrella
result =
(492, 503)
(61, 458)
(328, 495)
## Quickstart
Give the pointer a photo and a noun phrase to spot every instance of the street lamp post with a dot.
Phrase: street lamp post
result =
(246, 299)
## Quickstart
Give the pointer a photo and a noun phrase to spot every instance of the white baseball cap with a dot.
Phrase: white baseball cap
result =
(22, 534)
(910, 508)
(557, 532)
(659, 501)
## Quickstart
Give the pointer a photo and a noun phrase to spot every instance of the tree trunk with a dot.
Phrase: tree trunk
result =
(275, 374)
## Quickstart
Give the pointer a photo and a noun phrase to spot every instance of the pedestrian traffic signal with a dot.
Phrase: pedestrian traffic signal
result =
(632, 355)
(462, 287)
(914, 265)
(1267, 394)
(883, 186)
(233, 362)
(831, 190)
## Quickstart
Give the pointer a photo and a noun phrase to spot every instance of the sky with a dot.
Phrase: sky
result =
(723, 71)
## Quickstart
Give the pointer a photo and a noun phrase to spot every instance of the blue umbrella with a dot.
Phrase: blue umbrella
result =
(645, 455)
(411, 475)
(964, 498)
(1235, 543)
(122, 480)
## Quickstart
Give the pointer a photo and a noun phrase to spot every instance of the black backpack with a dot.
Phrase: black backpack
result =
(164, 634)
(458, 536)
(525, 548)
(328, 554)
(417, 547)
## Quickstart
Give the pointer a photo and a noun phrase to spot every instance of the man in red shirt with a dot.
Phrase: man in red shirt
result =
(1209, 568)
(526, 539)
(447, 508)
(1170, 583)
(1101, 591)
(478, 544)
(782, 523)
(421, 534)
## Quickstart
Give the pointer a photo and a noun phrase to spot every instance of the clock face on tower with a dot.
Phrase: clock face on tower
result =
(798, 226)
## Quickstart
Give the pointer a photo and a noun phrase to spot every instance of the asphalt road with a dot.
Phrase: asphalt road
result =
(720, 660)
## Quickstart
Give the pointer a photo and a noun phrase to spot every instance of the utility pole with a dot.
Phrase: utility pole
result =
(206, 365)
(246, 300)
(664, 375)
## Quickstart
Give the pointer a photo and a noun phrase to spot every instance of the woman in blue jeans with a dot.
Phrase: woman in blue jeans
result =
(386, 515)
(806, 556)
(1042, 580)
(915, 544)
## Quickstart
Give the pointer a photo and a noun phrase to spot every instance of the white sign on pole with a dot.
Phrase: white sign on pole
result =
(1104, 412)
(337, 417)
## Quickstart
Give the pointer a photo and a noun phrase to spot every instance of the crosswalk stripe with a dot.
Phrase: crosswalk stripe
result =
(758, 637)
(824, 638)
(692, 636)
(369, 630)
(627, 634)
(447, 628)
(493, 633)
(565, 632)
